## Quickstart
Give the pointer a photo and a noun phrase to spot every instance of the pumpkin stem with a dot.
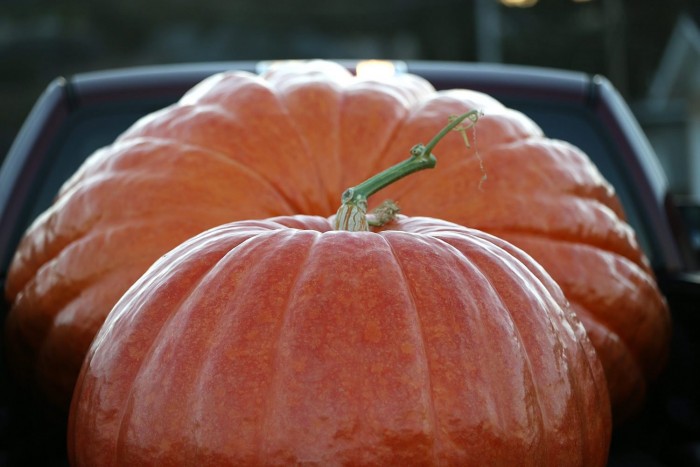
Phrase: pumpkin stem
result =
(352, 214)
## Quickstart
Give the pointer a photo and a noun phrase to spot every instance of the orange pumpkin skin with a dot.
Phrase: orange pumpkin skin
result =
(240, 146)
(283, 341)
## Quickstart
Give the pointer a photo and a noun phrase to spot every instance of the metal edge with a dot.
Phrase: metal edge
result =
(641, 159)
(21, 165)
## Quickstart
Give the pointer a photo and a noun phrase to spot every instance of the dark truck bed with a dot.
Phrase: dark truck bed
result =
(77, 115)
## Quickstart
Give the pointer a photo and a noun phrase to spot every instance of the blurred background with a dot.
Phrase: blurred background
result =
(649, 49)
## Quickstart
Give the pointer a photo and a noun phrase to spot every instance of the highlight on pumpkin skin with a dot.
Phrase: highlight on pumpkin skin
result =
(352, 214)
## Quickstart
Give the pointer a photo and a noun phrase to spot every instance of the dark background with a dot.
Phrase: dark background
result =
(43, 39)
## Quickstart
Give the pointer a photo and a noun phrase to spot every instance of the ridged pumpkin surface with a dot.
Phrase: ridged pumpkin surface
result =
(281, 342)
(240, 146)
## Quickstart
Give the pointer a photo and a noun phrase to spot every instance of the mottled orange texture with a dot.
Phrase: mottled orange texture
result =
(284, 342)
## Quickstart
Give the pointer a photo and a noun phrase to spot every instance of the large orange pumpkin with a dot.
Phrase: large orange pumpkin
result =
(241, 146)
(285, 342)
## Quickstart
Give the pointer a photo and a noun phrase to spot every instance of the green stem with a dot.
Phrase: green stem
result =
(352, 214)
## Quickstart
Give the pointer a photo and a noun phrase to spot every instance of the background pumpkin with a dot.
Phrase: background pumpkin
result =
(240, 146)
(283, 341)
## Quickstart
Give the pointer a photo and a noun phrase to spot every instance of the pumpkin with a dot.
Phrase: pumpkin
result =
(242, 146)
(284, 341)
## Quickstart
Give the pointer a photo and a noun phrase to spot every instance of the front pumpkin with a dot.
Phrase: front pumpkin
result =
(282, 341)
(240, 146)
